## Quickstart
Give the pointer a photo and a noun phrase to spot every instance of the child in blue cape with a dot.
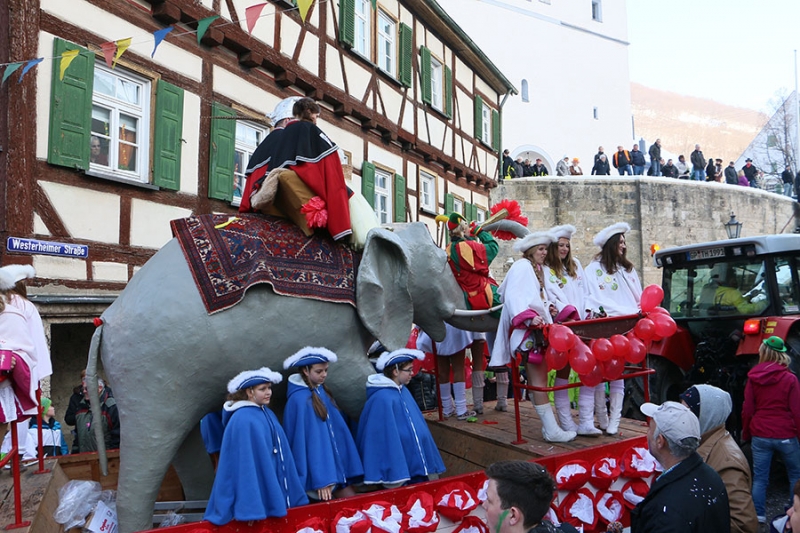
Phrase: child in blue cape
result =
(324, 451)
(392, 425)
(256, 476)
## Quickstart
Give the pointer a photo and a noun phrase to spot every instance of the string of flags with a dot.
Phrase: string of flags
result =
(113, 50)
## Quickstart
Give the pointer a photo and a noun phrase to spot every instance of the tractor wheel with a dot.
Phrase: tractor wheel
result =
(665, 384)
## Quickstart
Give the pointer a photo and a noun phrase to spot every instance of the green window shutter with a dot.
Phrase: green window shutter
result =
(448, 204)
(448, 92)
(468, 211)
(478, 117)
(425, 72)
(495, 130)
(406, 50)
(71, 108)
(368, 182)
(347, 22)
(223, 144)
(168, 133)
(399, 198)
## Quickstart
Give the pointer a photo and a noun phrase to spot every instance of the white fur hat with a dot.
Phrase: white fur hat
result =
(283, 109)
(398, 356)
(566, 231)
(11, 274)
(309, 356)
(251, 378)
(603, 235)
(534, 239)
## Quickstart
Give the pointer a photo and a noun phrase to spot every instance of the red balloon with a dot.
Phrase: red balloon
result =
(594, 377)
(638, 351)
(602, 349)
(555, 360)
(665, 326)
(651, 297)
(581, 358)
(645, 329)
(660, 311)
(622, 347)
(612, 369)
(561, 337)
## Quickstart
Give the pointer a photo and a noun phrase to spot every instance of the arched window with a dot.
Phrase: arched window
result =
(525, 91)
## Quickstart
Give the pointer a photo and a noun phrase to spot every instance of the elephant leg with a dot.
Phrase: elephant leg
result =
(194, 467)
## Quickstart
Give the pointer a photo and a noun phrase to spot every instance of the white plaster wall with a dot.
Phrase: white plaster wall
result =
(462, 192)
(150, 223)
(423, 120)
(392, 100)
(357, 78)
(86, 214)
(38, 226)
(448, 140)
(190, 150)
(234, 87)
(406, 17)
(290, 33)
(264, 29)
(107, 271)
(462, 73)
(407, 122)
(436, 46)
(437, 129)
(208, 4)
(309, 53)
(485, 90)
(413, 176)
(225, 13)
(345, 140)
(333, 68)
(59, 267)
(377, 154)
(110, 28)
(333, 14)
(390, 6)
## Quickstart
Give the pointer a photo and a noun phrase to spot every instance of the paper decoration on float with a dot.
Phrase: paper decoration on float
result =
(455, 500)
(158, 36)
(122, 45)
(420, 515)
(67, 58)
(29, 65)
(202, 26)
(304, 5)
(472, 524)
(252, 14)
(11, 68)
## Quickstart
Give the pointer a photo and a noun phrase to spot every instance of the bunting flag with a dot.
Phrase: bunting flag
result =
(304, 5)
(374, 4)
(158, 36)
(109, 49)
(29, 65)
(252, 14)
(10, 69)
(202, 26)
(66, 59)
(122, 45)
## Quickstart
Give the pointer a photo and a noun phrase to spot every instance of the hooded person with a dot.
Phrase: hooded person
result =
(53, 441)
(713, 406)
(256, 477)
(393, 437)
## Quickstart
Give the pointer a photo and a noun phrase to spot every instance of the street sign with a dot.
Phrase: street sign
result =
(33, 246)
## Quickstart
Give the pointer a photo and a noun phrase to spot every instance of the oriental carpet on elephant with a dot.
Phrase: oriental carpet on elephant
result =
(227, 257)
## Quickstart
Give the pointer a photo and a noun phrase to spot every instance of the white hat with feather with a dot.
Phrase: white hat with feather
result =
(533, 239)
(251, 378)
(11, 274)
(603, 235)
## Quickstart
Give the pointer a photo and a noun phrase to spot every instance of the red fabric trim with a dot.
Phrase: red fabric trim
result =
(326, 179)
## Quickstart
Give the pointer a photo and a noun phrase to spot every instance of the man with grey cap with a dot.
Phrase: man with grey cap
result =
(689, 496)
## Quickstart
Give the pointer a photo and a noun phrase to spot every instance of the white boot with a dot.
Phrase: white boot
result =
(477, 391)
(615, 399)
(586, 413)
(550, 430)
(448, 409)
(502, 391)
(600, 407)
(561, 398)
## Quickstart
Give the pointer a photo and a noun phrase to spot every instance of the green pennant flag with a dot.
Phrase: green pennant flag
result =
(202, 26)
(374, 4)
(11, 68)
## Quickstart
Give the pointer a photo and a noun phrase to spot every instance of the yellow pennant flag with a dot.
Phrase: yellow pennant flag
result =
(66, 59)
(122, 45)
(304, 6)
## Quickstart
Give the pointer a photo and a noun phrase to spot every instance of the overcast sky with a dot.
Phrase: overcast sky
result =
(738, 52)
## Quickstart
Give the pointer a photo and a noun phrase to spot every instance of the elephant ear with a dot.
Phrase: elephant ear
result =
(382, 295)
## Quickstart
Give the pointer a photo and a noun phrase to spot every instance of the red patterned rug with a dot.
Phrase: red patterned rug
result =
(253, 249)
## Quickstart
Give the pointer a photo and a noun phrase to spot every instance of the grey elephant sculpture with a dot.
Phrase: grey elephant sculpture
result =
(169, 361)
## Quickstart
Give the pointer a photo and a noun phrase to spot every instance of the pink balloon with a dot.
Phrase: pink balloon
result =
(638, 351)
(581, 358)
(561, 337)
(660, 311)
(602, 349)
(555, 360)
(665, 325)
(622, 347)
(613, 368)
(645, 329)
(594, 377)
(652, 295)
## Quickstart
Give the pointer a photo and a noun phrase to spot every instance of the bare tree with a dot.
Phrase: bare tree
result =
(778, 139)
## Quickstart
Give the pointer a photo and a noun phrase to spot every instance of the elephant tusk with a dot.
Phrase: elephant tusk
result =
(476, 312)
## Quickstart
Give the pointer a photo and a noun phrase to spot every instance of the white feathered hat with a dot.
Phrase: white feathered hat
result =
(533, 239)
(309, 356)
(566, 231)
(396, 357)
(603, 235)
(283, 109)
(11, 274)
(251, 378)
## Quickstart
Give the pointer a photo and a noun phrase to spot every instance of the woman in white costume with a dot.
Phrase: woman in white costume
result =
(526, 308)
(614, 290)
(567, 282)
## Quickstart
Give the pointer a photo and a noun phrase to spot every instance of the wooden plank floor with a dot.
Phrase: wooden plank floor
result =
(466, 447)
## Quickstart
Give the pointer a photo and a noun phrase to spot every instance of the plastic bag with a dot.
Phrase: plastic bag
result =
(76, 500)
(172, 519)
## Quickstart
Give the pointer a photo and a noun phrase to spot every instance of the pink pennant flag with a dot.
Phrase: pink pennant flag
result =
(303, 6)
(252, 14)
(67, 58)
(109, 49)
(122, 45)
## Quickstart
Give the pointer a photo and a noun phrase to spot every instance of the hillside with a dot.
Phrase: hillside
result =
(680, 121)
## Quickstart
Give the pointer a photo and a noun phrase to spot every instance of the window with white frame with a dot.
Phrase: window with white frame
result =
(486, 124)
(597, 10)
(437, 91)
(458, 205)
(248, 137)
(387, 46)
(383, 196)
(361, 42)
(120, 124)
(481, 214)
(427, 191)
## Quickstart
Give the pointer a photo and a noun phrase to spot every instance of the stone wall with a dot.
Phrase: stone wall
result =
(660, 211)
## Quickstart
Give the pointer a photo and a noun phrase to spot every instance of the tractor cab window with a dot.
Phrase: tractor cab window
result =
(786, 276)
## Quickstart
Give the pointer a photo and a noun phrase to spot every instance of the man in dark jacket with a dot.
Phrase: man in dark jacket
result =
(689, 496)
(698, 164)
(731, 178)
(669, 170)
(638, 161)
(109, 418)
(508, 166)
(622, 161)
(788, 179)
(750, 172)
(539, 169)
(601, 166)
(655, 157)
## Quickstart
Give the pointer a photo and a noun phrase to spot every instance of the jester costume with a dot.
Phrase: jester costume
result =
(469, 259)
